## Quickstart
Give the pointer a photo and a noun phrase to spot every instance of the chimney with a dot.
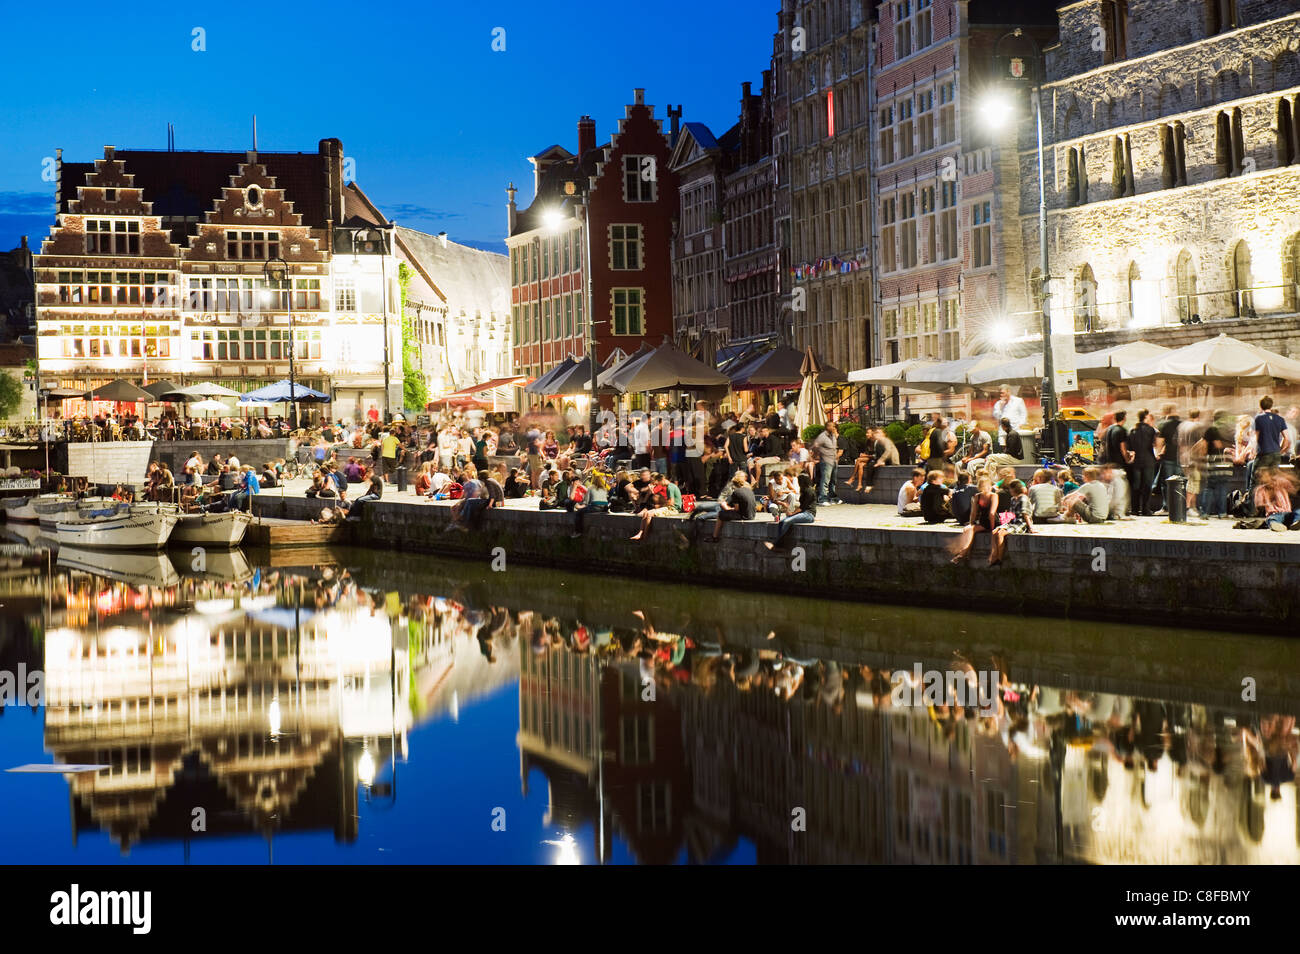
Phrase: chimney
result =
(108, 151)
(675, 123)
(638, 97)
(512, 212)
(586, 135)
(745, 90)
(442, 237)
(332, 150)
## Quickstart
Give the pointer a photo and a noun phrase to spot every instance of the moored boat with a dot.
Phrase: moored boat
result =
(19, 509)
(116, 528)
(211, 529)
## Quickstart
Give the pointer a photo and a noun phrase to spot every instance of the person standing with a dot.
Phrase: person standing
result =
(1271, 438)
(1010, 407)
(1167, 451)
(1142, 463)
(388, 444)
(1115, 442)
(826, 447)
(697, 428)
(1213, 450)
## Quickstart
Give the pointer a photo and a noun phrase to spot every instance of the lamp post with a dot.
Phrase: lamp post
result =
(996, 113)
(277, 270)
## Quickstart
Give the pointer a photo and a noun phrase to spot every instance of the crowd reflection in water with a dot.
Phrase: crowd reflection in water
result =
(279, 695)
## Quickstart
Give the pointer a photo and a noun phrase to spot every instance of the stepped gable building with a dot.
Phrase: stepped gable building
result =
(156, 268)
(1173, 179)
(633, 197)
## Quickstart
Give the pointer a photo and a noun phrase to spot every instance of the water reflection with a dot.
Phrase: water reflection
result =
(282, 699)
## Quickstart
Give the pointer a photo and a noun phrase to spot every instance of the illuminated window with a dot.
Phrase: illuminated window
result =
(345, 294)
(112, 237)
(981, 235)
(252, 246)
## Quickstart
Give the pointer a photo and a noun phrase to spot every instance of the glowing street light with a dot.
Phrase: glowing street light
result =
(997, 110)
(553, 219)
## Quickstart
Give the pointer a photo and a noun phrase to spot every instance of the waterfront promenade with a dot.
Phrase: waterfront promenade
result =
(1202, 574)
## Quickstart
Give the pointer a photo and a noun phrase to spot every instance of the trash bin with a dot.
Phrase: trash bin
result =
(401, 480)
(1176, 493)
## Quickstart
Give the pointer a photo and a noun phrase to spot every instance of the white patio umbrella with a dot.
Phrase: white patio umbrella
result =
(950, 375)
(1223, 360)
(810, 409)
(1016, 373)
(1105, 365)
(887, 375)
(207, 389)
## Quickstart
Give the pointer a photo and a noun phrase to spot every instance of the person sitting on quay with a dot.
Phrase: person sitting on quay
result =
(1047, 498)
(739, 505)
(880, 452)
(248, 487)
(666, 499)
(593, 499)
(423, 479)
(1274, 495)
(963, 496)
(908, 503)
(269, 477)
(978, 446)
(1091, 502)
(933, 498)
(215, 466)
(807, 512)
(374, 492)
(983, 519)
(1116, 483)
(1013, 447)
(783, 492)
(1022, 521)
(465, 513)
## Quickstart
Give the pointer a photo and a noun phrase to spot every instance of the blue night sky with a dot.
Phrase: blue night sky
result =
(437, 122)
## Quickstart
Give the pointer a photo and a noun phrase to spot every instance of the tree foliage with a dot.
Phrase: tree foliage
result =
(11, 394)
(415, 394)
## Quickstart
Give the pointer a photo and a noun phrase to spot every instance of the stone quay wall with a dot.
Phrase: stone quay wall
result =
(256, 452)
(1252, 586)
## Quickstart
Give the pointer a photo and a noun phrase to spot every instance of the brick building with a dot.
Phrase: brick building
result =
(155, 269)
(947, 186)
(1173, 170)
(701, 162)
(632, 195)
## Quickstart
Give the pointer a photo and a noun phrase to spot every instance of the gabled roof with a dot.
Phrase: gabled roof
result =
(188, 183)
(550, 192)
(554, 151)
(470, 280)
(702, 134)
(358, 210)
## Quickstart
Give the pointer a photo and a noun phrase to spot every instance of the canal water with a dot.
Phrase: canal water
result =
(361, 707)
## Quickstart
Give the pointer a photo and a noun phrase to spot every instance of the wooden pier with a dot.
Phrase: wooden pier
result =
(274, 532)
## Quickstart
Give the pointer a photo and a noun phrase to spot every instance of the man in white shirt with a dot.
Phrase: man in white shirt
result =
(697, 427)
(1011, 407)
(641, 443)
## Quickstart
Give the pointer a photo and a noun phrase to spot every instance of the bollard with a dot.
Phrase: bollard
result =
(401, 480)
(1176, 492)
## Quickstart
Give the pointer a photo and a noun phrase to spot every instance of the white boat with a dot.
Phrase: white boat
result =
(137, 569)
(50, 508)
(116, 528)
(19, 509)
(212, 529)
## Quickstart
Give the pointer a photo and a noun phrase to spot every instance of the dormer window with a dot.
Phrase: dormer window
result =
(254, 197)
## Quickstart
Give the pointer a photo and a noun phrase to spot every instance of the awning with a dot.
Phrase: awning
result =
(518, 381)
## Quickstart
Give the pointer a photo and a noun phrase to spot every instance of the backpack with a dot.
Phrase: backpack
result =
(453, 491)
(1240, 504)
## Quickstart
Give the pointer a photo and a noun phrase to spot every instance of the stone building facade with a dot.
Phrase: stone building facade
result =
(701, 161)
(1173, 170)
(822, 128)
(752, 260)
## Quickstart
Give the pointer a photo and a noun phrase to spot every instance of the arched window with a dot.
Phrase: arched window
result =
(1134, 276)
(1085, 300)
(1243, 305)
(1185, 287)
(1286, 141)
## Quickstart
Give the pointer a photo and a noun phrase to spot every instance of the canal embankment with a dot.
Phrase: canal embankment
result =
(1142, 571)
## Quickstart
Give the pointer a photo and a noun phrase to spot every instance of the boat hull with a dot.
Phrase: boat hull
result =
(137, 569)
(211, 529)
(20, 510)
(122, 531)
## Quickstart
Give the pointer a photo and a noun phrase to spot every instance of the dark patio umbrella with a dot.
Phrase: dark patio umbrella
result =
(782, 368)
(159, 388)
(543, 383)
(121, 391)
(666, 368)
(58, 394)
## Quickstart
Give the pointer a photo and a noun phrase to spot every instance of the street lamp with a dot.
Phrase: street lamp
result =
(998, 110)
(277, 270)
